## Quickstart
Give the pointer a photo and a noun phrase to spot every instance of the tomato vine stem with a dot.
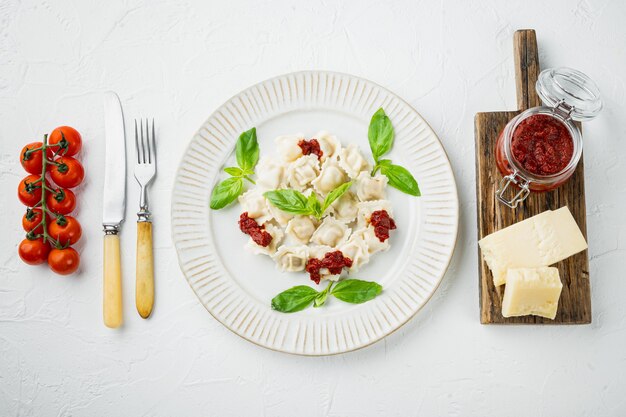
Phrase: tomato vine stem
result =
(44, 208)
(41, 148)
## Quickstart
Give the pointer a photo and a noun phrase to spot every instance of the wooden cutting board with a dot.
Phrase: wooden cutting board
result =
(575, 302)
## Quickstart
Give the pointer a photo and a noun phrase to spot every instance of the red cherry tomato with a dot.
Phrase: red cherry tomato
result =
(64, 261)
(62, 201)
(68, 172)
(32, 219)
(29, 190)
(69, 140)
(32, 160)
(65, 229)
(34, 252)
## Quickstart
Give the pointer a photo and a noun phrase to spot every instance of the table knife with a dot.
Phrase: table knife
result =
(113, 207)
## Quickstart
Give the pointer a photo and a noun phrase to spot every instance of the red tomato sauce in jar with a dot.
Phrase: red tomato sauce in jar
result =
(311, 147)
(333, 261)
(539, 149)
(382, 224)
(542, 145)
(257, 232)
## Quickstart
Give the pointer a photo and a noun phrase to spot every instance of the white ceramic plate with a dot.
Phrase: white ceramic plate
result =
(236, 286)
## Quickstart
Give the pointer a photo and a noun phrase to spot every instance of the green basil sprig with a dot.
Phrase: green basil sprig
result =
(294, 299)
(294, 202)
(247, 153)
(354, 291)
(247, 150)
(380, 135)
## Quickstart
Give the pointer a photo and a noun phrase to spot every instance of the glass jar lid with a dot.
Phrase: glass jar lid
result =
(571, 91)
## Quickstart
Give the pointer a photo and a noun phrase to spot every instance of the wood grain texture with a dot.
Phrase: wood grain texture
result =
(575, 302)
(112, 271)
(526, 59)
(144, 280)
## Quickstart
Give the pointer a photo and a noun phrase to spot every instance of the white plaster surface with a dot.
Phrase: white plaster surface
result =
(177, 61)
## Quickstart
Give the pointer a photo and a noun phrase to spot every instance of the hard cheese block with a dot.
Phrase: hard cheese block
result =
(541, 240)
(532, 291)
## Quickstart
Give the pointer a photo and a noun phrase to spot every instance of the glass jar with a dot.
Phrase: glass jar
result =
(539, 149)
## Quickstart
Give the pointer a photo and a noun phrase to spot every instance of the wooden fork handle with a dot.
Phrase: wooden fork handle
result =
(112, 271)
(144, 290)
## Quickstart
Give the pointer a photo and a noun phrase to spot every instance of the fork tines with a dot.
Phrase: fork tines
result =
(144, 142)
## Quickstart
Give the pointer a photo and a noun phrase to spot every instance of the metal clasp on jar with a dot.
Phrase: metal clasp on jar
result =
(519, 181)
(564, 109)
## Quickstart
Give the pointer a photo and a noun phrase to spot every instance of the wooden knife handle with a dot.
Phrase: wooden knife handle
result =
(144, 290)
(112, 308)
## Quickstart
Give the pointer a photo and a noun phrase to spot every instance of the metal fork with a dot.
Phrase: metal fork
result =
(145, 171)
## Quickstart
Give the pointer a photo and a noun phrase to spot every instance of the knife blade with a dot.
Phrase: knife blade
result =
(113, 207)
(114, 200)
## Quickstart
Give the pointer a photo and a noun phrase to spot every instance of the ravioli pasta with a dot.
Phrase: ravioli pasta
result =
(346, 225)
(277, 238)
(329, 145)
(300, 229)
(270, 174)
(302, 172)
(288, 148)
(356, 249)
(331, 176)
(255, 205)
(291, 258)
(352, 161)
(372, 243)
(345, 208)
(366, 208)
(331, 233)
(370, 188)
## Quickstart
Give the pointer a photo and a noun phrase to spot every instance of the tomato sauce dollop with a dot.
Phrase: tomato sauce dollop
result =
(311, 147)
(257, 232)
(333, 261)
(542, 145)
(382, 224)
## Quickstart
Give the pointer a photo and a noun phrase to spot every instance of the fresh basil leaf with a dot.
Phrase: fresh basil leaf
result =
(315, 206)
(379, 164)
(247, 150)
(290, 201)
(234, 171)
(312, 199)
(226, 192)
(335, 194)
(401, 178)
(380, 134)
(294, 299)
(356, 291)
(320, 299)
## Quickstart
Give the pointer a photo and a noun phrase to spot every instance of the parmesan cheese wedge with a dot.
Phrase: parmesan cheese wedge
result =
(541, 240)
(533, 291)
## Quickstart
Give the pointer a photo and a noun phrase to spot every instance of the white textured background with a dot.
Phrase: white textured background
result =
(177, 61)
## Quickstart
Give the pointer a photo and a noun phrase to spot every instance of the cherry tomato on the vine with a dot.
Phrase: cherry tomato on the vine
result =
(29, 190)
(69, 140)
(65, 229)
(64, 261)
(34, 252)
(32, 219)
(62, 201)
(67, 172)
(32, 160)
